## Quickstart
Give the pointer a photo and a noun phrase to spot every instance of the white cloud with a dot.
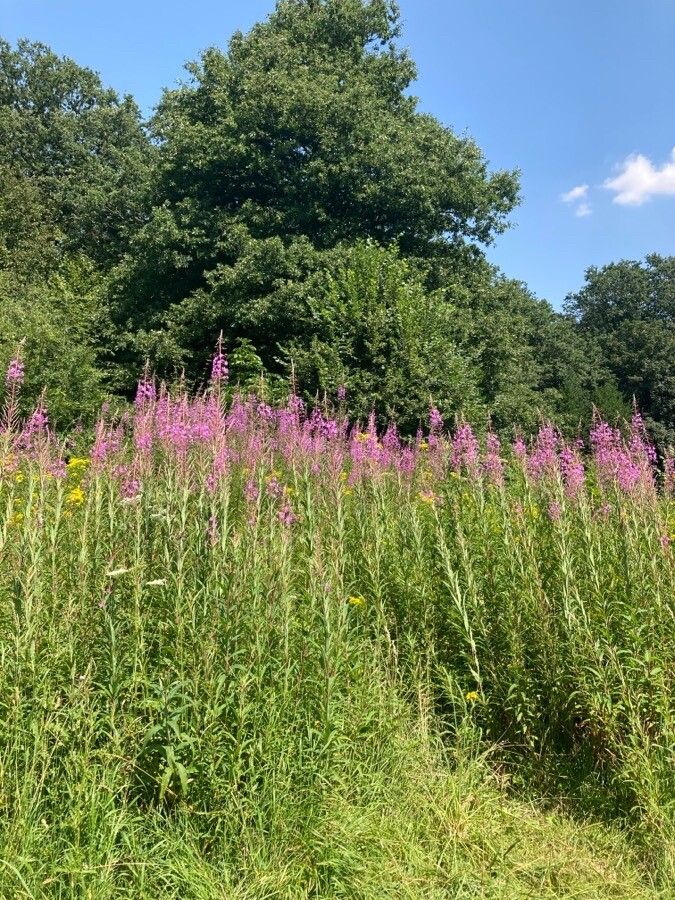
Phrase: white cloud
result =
(583, 209)
(640, 180)
(575, 194)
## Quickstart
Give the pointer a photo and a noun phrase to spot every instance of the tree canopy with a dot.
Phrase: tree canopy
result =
(73, 143)
(300, 139)
(629, 307)
(291, 195)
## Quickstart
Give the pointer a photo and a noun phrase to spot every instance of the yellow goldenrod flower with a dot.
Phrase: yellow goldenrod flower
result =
(472, 697)
(16, 519)
(75, 497)
(356, 601)
(424, 445)
(19, 477)
(77, 463)
(347, 491)
(344, 476)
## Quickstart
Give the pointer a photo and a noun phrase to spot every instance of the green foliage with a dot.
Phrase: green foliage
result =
(74, 161)
(28, 239)
(628, 307)
(299, 140)
(371, 326)
(292, 173)
(530, 362)
(56, 321)
(75, 144)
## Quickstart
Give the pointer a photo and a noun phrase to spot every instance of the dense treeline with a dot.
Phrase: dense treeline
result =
(292, 196)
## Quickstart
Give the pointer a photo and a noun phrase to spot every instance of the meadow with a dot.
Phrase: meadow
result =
(256, 651)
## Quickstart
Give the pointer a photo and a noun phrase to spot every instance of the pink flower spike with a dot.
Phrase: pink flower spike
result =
(219, 368)
(669, 475)
(130, 488)
(286, 515)
(435, 419)
(15, 373)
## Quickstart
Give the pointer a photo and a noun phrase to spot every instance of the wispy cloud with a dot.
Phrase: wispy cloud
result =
(577, 193)
(639, 180)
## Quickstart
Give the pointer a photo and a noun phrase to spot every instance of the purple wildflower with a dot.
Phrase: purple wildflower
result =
(15, 373)
(286, 515)
(465, 450)
(274, 488)
(130, 488)
(543, 460)
(669, 475)
(554, 511)
(435, 419)
(145, 392)
(251, 491)
(572, 470)
(219, 368)
(493, 464)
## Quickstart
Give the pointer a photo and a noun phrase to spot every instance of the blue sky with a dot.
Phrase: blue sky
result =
(576, 95)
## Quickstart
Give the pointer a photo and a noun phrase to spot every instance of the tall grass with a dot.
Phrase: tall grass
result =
(247, 652)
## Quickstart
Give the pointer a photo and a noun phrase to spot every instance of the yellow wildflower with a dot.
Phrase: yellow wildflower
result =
(427, 497)
(424, 445)
(288, 491)
(75, 497)
(77, 463)
(356, 601)
(16, 519)
(274, 475)
(362, 437)
(19, 477)
(347, 491)
(344, 476)
(472, 697)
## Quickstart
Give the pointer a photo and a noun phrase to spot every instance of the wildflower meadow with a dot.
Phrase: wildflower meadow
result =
(261, 651)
